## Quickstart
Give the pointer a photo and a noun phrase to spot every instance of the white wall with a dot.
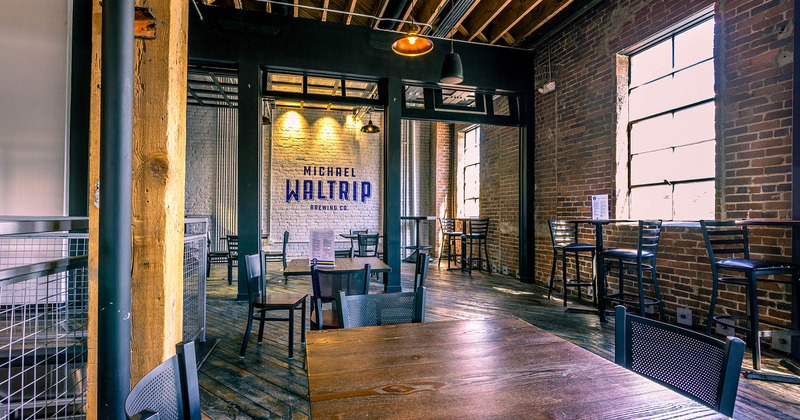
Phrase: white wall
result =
(34, 44)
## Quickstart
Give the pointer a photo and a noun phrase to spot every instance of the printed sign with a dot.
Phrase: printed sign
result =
(600, 207)
(336, 189)
(321, 243)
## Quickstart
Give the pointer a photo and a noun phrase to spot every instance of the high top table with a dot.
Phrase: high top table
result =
(502, 368)
(416, 247)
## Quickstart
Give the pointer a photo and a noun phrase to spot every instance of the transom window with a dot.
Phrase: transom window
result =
(671, 135)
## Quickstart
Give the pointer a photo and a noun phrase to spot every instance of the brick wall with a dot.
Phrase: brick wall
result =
(201, 131)
(311, 138)
(576, 132)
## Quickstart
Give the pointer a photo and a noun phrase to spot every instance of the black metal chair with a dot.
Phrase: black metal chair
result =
(421, 270)
(170, 391)
(213, 257)
(343, 253)
(278, 256)
(564, 236)
(450, 237)
(326, 285)
(262, 302)
(729, 251)
(638, 260)
(381, 309)
(367, 245)
(475, 236)
(233, 255)
(354, 241)
(696, 365)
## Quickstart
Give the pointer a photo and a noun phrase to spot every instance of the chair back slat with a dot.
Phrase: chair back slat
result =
(694, 364)
(326, 284)
(725, 239)
(421, 270)
(382, 309)
(563, 233)
(447, 224)
(233, 246)
(478, 227)
(256, 284)
(367, 245)
(649, 236)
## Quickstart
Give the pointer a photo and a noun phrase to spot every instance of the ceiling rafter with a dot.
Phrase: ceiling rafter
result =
(515, 12)
(460, 20)
(351, 9)
(540, 17)
(407, 14)
(296, 9)
(325, 13)
(428, 13)
(482, 16)
(379, 11)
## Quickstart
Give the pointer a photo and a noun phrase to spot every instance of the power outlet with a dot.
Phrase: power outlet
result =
(589, 292)
(484, 266)
(724, 330)
(685, 316)
(505, 270)
(494, 268)
(781, 343)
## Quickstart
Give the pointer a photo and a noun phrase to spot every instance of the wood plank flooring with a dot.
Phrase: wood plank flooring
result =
(266, 384)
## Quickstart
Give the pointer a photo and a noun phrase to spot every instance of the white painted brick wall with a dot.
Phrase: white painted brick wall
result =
(201, 150)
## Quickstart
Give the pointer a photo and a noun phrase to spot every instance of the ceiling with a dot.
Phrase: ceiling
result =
(515, 23)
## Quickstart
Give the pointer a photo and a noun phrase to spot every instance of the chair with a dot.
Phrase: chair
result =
(449, 237)
(213, 257)
(564, 236)
(382, 309)
(639, 260)
(343, 253)
(170, 391)
(261, 302)
(327, 284)
(354, 241)
(278, 256)
(367, 245)
(693, 364)
(726, 239)
(233, 256)
(475, 236)
(421, 270)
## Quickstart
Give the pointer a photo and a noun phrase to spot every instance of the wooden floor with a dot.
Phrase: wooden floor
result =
(266, 384)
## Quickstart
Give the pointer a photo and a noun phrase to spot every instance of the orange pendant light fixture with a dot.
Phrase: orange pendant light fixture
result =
(412, 45)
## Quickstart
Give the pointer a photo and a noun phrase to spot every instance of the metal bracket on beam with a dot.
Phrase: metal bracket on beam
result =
(144, 24)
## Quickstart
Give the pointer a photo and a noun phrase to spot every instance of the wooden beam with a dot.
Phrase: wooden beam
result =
(325, 12)
(429, 11)
(380, 9)
(350, 9)
(482, 16)
(407, 13)
(296, 9)
(512, 14)
(461, 20)
(94, 212)
(237, 4)
(159, 163)
(539, 17)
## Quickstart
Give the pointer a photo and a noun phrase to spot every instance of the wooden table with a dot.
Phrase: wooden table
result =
(493, 368)
(301, 267)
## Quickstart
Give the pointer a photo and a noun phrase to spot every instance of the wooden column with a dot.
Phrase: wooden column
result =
(159, 172)
(158, 191)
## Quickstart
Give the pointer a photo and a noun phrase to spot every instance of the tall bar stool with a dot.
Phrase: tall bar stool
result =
(475, 236)
(729, 239)
(450, 237)
(638, 260)
(564, 236)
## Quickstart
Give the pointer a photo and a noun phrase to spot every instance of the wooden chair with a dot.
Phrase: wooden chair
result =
(421, 270)
(449, 239)
(475, 236)
(170, 391)
(262, 302)
(638, 260)
(564, 237)
(327, 284)
(693, 364)
(729, 251)
(278, 256)
(233, 255)
(381, 309)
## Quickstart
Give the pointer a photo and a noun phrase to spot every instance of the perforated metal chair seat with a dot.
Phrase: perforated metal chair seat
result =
(626, 253)
(739, 264)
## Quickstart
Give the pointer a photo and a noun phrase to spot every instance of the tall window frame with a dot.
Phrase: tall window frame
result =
(469, 170)
(668, 129)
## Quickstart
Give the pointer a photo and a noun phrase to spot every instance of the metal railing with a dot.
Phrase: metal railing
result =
(43, 317)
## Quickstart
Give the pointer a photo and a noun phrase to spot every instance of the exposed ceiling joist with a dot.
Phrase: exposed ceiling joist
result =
(540, 17)
(482, 16)
(515, 12)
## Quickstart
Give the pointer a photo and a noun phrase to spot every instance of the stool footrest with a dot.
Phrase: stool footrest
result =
(631, 299)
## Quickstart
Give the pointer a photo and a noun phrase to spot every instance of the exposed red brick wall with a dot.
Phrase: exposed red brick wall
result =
(442, 150)
(576, 136)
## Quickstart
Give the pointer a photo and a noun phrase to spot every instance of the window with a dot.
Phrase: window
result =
(470, 172)
(670, 125)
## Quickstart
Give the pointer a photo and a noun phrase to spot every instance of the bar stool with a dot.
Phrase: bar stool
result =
(564, 236)
(475, 236)
(726, 238)
(641, 259)
(449, 237)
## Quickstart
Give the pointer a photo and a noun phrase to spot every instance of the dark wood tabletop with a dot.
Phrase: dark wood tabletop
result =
(301, 267)
(492, 368)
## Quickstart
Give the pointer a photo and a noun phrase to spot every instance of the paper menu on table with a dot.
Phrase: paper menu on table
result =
(322, 246)
(600, 207)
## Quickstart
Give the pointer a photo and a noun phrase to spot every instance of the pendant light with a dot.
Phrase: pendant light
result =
(370, 127)
(412, 45)
(452, 70)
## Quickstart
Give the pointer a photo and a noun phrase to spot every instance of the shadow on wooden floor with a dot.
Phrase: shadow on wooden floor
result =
(265, 384)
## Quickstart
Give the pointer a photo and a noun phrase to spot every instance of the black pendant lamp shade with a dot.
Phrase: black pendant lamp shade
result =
(452, 70)
(370, 128)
